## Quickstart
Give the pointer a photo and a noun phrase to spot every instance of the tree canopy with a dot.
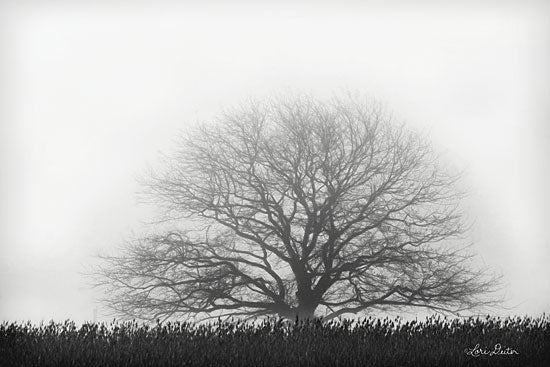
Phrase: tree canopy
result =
(300, 207)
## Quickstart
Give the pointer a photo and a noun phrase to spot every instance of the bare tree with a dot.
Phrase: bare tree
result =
(301, 208)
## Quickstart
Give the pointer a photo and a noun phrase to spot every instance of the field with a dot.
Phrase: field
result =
(434, 341)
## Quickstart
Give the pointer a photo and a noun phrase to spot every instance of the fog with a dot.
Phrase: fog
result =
(92, 92)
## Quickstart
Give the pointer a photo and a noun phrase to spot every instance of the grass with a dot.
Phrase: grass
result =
(434, 341)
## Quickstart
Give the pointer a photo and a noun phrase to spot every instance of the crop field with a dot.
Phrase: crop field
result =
(434, 341)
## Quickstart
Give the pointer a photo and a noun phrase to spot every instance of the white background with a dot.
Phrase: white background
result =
(91, 92)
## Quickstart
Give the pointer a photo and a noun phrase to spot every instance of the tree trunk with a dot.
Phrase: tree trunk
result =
(307, 300)
(304, 311)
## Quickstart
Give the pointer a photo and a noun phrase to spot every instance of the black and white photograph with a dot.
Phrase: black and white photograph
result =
(274, 183)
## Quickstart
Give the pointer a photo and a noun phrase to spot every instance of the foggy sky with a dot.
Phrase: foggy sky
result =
(90, 94)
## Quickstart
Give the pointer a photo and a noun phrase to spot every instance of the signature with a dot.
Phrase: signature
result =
(498, 350)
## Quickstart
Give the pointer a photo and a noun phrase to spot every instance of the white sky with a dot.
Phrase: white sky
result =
(89, 94)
